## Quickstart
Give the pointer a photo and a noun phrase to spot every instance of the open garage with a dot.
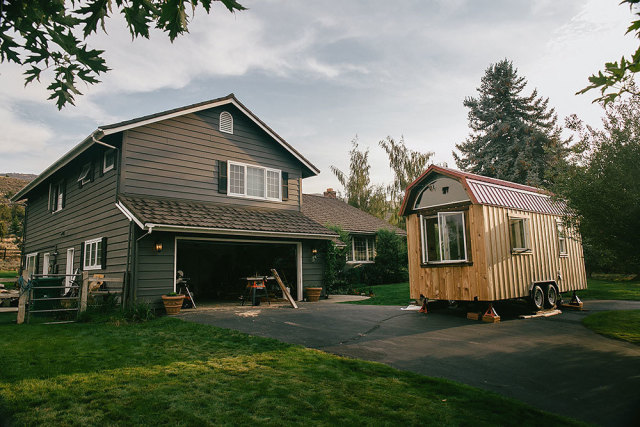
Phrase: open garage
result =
(217, 269)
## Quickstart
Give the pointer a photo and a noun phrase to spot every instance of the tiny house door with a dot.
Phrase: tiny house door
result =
(69, 270)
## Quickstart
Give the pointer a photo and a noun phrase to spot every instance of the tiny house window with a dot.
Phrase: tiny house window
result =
(226, 122)
(444, 238)
(92, 254)
(108, 160)
(56, 196)
(362, 249)
(562, 239)
(519, 233)
(254, 182)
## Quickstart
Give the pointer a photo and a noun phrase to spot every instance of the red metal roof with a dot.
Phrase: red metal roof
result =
(496, 192)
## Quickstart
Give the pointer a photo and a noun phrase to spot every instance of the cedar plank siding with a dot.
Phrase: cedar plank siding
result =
(89, 213)
(154, 271)
(177, 157)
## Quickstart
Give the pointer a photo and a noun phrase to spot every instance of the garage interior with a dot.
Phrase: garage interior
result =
(217, 271)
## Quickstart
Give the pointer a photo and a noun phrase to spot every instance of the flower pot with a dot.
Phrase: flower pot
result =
(313, 294)
(172, 304)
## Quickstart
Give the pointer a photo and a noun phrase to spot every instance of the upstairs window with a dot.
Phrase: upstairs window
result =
(108, 160)
(444, 238)
(86, 174)
(519, 234)
(226, 122)
(362, 249)
(562, 239)
(57, 196)
(254, 182)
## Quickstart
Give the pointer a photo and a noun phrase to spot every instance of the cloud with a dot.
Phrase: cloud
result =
(22, 136)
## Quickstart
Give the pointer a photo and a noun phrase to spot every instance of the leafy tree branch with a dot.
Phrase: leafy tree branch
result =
(47, 37)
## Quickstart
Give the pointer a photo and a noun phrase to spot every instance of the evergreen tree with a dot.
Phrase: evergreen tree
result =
(513, 137)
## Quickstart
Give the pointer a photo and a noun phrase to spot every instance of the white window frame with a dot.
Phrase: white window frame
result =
(86, 261)
(246, 183)
(371, 254)
(58, 189)
(85, 174)
(106, 168)
(562, 236)
(46, 260)
(30, 263)
(528, 249)
(423, 238)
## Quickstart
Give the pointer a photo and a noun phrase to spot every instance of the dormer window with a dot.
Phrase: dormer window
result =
(226, 122)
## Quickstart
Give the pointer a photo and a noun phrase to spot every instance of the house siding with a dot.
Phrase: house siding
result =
(89, 213)
(312, 271)
(177, 158)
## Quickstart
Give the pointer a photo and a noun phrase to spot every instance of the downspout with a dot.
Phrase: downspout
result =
(132, 289)
(24, 235)
(127, 279)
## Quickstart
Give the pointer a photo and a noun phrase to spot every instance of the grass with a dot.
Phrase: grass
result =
(167, 371)
(6, 273)
(393, 294)
(609, 289)
(623, 325)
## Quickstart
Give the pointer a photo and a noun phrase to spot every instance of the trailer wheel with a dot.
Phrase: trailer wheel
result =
(537, 298)
(551, 296)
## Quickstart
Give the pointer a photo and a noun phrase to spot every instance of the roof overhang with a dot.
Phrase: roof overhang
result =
(102, 131)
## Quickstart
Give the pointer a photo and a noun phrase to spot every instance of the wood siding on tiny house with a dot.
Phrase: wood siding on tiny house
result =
(511, 275)
(89, 213)
(177, 157)
(494, 273)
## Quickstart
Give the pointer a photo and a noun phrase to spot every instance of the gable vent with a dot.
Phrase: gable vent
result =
(226, 122)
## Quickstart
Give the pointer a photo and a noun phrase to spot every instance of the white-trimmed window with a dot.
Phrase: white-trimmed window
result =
(92, 254)
(254, 182)
(363, 249)
(226, 122)
(30, 263)
(519, 235)
(444, 239)
(108, 160)
(86, 174)
(56, 196)
(562, 239)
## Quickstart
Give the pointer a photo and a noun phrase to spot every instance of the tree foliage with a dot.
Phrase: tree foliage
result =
(357, 185)
(618, 77)
(407, 165)
(602, 186)
(513, 137)
(48, 36)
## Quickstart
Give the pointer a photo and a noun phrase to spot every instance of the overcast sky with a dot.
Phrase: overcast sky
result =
(320, 73)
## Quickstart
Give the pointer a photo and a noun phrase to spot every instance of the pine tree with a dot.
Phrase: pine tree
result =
(513, 137)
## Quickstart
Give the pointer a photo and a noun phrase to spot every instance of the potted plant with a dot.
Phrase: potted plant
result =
(313, 294)
(172, 302)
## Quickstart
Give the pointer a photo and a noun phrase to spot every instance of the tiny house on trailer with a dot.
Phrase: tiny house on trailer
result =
(474, 238)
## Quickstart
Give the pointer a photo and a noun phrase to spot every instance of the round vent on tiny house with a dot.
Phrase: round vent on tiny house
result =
(226, 122)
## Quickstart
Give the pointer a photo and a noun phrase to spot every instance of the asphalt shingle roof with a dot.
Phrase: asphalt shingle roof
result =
(188, 213)
(327, 210)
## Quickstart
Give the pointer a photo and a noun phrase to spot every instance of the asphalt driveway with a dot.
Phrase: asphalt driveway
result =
(552, 363)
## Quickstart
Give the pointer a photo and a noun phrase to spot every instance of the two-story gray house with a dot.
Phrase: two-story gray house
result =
(207, 189)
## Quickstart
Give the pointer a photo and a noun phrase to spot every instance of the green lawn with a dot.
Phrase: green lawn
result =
(393, 294)
(623, 325)
(610, 289)
(5, 273)
(167, 371)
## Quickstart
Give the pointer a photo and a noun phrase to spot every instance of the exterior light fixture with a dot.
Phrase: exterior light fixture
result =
(314, 254)
(158, 247)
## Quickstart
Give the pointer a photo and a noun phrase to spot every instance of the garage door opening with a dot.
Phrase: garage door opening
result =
(217, 270)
